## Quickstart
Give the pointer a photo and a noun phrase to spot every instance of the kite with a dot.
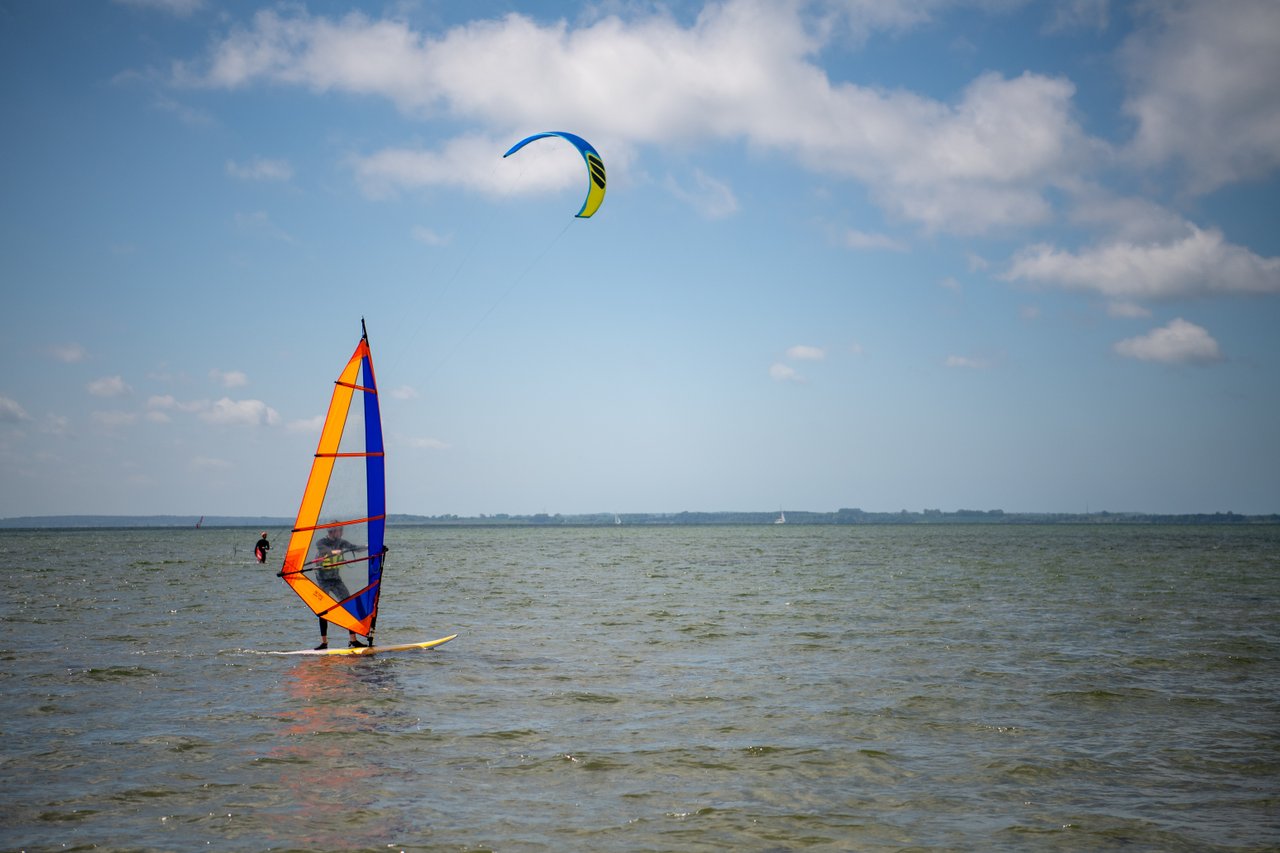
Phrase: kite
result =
(595, 167)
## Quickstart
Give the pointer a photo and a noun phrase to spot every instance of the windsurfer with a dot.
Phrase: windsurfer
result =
(260, 550)
(329, 551)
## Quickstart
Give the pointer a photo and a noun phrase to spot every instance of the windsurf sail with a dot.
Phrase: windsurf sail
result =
(335, 555)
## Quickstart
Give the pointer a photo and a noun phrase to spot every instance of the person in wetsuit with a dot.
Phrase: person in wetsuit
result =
(330, 551)
(260, 550)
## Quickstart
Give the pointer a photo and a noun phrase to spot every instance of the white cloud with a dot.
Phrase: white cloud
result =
(115, 419)
(67, 353)
(466, 161)
(11, 411)
(259, 222)
(428, 237)
(1203, 89)
(784, 373)
(425, 443)
(188, 115)
(58, 425)
(163, 402)
(260, 169)
(1066, 16)
(404, 392)
(744, 71)
(865, 16)
(711, 198)
(229, 378)
(1126, 218)
(803, 352)
(982, 162)
(855, 239)
(1127, 310)
(241, 413)
(1202, 263)
(307, 425)
(354, 54)
(179, 8)
(1179, 342)
(966, 362)
(109, 386)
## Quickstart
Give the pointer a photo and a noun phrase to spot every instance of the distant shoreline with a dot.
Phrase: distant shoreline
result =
(794, 517)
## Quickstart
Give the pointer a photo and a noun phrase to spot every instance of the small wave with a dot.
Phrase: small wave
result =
(68, 816)
(117, 673)
(593, 698)
(1100, 695)
(144, 795)
(702, 812)
(507, 734)
(875, 753)
(597, 764)
(566, 760)
(174, 743)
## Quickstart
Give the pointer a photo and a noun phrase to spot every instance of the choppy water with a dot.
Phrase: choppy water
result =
(644, 689)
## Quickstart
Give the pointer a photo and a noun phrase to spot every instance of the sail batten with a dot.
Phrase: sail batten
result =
(336, 544)
(339, 523)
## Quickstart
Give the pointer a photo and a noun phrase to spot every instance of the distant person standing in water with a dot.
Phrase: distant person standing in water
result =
(329, 556)
(260, 550)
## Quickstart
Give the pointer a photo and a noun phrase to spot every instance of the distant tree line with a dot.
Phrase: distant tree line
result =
(840, 516)
(793, 517)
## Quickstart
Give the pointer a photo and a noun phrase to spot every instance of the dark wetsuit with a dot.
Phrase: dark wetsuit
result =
(329, 575)
(260, 550)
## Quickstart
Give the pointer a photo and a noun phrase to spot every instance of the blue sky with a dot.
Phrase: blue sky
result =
(900, 254)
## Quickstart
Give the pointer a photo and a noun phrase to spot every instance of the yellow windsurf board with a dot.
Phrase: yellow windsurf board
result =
(372, 650)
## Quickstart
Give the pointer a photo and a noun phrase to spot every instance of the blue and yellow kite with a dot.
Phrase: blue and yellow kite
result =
(595, 167)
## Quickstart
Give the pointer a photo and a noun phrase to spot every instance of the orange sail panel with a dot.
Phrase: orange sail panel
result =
(335, 554)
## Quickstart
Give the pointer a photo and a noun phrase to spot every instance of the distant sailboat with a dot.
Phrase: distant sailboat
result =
(200, 522)
(781, 519)
(617, 519)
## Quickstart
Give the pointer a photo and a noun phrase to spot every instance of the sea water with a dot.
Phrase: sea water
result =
(652, 688)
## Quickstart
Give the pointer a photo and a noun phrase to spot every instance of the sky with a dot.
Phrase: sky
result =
(875, 254)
